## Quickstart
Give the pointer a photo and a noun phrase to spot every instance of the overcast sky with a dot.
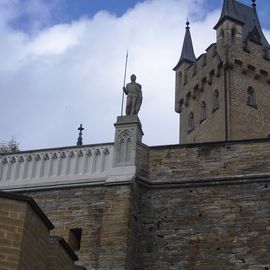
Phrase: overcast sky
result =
(62, 64)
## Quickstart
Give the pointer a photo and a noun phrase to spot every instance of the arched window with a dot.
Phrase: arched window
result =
(180, 105)
(190, 121)
(179, 79)
(203, 111)
(222, 33)
(233, 32)
(251, 97)
(215, 100)
(125, 146)
(185, 78)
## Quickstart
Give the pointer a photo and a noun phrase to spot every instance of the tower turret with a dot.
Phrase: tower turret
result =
(187, 57)
(224, 93)
(187, 54)
(238, 21)
(229, 12)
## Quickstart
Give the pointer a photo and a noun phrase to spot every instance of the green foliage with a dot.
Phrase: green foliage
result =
(9, 147)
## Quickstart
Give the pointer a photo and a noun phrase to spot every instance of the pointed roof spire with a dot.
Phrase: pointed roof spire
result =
(229, 11)
(254, 3)
(187, 50)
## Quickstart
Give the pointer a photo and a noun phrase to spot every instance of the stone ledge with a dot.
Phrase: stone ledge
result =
(195, 182)
(220, 143)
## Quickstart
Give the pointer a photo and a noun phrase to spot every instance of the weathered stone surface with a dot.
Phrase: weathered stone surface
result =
(221, 227)
(203, 206)
(23, 237)
(103, 215)
(209, 161)
(60, 255)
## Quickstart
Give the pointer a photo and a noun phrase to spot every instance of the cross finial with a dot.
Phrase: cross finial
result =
(79, 142)
(254, 3)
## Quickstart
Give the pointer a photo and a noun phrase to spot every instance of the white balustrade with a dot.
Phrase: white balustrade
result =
(56, 166)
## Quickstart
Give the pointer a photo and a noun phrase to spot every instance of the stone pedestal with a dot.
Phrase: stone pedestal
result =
(128, 132)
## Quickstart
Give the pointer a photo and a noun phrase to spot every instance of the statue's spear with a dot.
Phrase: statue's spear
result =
(124, 84)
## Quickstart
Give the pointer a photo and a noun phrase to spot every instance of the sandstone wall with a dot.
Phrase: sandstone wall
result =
(34, 248)
(205, 206)
(210, 160)
(12, 215)
(199, 82)
(58, 255)
(250, 68)
(204, 228)
(197, 206)
(23, 236)
(102, 212)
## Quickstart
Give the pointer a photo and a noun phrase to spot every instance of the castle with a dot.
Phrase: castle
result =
(225, 90)
(202, 204)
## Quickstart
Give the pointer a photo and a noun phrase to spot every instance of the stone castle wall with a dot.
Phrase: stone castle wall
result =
(58, 257)
(205, 206)
(180, 163)
(23, 236)
(197, 206)
(102, 212)
(204, 227)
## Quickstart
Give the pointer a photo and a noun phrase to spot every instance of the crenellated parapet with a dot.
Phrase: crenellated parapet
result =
(197, 77)
(254, 71)
(199, 95)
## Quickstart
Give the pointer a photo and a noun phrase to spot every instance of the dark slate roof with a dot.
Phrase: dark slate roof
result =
(229, 11)
(31, 202)
(187, 50)
(245, 15)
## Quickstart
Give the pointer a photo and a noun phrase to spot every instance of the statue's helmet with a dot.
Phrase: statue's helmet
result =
(133, 77)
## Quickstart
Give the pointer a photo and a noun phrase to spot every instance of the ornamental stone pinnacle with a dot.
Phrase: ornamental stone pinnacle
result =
(79, 142)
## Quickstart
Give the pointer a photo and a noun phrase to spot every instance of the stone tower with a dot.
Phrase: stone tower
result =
(224, 94)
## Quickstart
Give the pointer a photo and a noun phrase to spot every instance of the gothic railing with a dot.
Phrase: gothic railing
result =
(90, 163)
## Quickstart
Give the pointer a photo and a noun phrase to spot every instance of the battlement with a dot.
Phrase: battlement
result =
(253, 60)
(252, 71)
(197, 76)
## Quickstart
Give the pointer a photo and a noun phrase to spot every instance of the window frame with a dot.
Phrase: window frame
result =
(251, 97)
(216, 102)
(190, 122)
(203, 112)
